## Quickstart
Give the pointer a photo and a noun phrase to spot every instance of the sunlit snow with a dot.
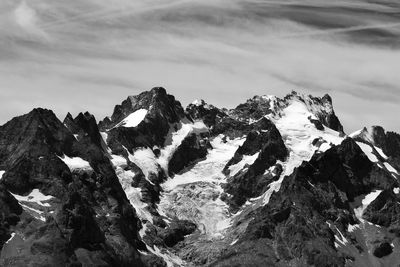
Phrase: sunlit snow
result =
(390, 168)
(340, 240)
(247, 160)
(76, 163)
(133, 119)
(118, 161)
(11, 238)
(365, 202)
(367, 149)
(194, 195)
(167, 256)
(298, 134)
(145, 159)
(210, 169)
(197, 102)
(35, 197)
(176, 138)
(365, 134)
(381, 152)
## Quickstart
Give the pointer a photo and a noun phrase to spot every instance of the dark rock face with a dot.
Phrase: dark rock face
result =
(191, 149)
(10, 211)
(218, 120)
(163, 111)
(326, 116)
(385, 211)
(383, 250)
(209, 114)
(349, 169)
(156, 101)
(252, 182)
(254, 108)
(390, 144)
(295, 223)
(255, 140)
(293, 226)
(177, 231)
(34, 134)
(85, 127)
(231, 128)
(317, 123)
(30, 147)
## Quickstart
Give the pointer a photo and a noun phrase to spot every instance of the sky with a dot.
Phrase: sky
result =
(89, 55)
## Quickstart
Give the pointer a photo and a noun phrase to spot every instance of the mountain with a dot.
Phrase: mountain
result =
(272, 182)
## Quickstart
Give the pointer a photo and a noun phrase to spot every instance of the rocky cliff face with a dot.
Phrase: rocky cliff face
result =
(272, 182)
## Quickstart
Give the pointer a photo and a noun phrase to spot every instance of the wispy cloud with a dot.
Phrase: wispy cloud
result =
(91, 52)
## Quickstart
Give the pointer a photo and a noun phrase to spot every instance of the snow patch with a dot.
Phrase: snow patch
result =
(324, 147)
(381, 152)
(34, 212)
(234, 242)
(356, 133)
(11, 238)
(340, 240)
(364, 134)
(167, 256)
(365, 202)
(352, 228)
(367, 149)
(390, 168)
(76, 163)
(247, 160)
(118, 161)
(197, 102)
(104, 135)
(35, 197)
(133, 119)
(176, 138)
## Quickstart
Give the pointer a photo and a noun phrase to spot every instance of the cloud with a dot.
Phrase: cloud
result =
(96, 52)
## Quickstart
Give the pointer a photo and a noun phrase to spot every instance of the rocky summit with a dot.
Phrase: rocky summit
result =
(272, 182)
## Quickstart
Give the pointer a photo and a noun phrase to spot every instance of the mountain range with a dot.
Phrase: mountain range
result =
(272, 182)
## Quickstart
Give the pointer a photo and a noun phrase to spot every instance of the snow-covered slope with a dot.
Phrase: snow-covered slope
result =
(299, 133)
(133, 119)
(195, 194)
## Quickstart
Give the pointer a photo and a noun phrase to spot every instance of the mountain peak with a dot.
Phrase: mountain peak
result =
(155, 101)
(30, 136)
(258, 106)
(372, 134)
(198, 102)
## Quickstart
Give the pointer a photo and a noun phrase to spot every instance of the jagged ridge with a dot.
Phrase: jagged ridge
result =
(272, 181)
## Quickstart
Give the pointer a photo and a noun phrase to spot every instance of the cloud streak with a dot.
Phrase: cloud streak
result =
(95, 53)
